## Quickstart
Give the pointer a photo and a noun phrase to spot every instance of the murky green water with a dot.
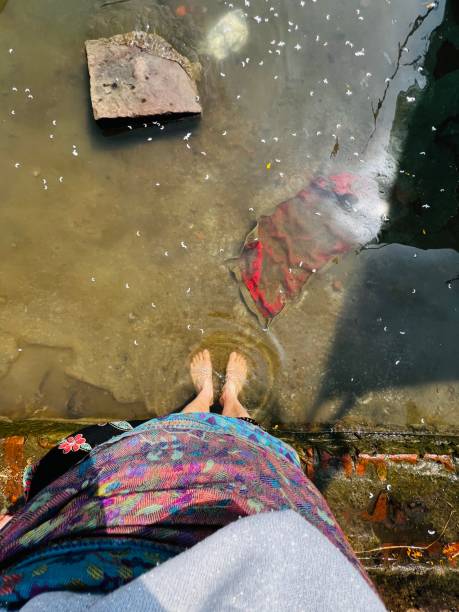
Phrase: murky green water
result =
(114, 249)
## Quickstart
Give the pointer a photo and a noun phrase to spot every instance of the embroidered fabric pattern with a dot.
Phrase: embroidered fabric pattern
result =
(170, 481)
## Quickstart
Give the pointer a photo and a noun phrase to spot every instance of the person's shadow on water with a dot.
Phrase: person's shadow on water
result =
(398, 327)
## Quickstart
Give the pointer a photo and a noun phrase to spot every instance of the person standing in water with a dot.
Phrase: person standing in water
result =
(235, 379)
(145, 514)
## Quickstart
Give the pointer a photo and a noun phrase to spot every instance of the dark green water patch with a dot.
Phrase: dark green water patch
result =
(425, 139)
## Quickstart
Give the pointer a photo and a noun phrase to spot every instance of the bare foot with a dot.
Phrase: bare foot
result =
(201, 375)
(236, 376)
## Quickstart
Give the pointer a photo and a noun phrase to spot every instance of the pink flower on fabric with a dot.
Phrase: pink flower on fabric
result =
(72, 443)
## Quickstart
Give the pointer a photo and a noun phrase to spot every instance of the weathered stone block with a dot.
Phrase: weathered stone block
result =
(138, 75)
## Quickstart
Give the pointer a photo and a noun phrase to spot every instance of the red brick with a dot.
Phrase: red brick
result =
(310, 464)
(379, 514)
(348, 464)
(13, 449)
(412, 458)
(379, 461)
(325, 459)
(445, 460)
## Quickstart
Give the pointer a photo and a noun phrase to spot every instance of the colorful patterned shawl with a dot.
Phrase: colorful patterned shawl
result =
(153, 491)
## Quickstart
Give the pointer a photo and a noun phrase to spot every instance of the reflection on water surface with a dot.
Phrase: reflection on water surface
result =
(115, 250)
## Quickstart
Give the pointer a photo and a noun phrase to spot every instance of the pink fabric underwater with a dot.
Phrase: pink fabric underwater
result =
(299, 238)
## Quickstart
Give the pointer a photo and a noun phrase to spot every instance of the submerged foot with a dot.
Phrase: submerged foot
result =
(236, 376)
(201, 375)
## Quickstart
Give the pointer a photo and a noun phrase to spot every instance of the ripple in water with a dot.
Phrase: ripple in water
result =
(264, 361)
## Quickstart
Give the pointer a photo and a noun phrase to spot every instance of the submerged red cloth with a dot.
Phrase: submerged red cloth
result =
(296, 240)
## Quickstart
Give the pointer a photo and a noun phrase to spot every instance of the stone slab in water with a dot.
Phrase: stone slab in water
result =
(137, 75)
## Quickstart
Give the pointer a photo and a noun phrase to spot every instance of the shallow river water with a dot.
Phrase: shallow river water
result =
(115, 250)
